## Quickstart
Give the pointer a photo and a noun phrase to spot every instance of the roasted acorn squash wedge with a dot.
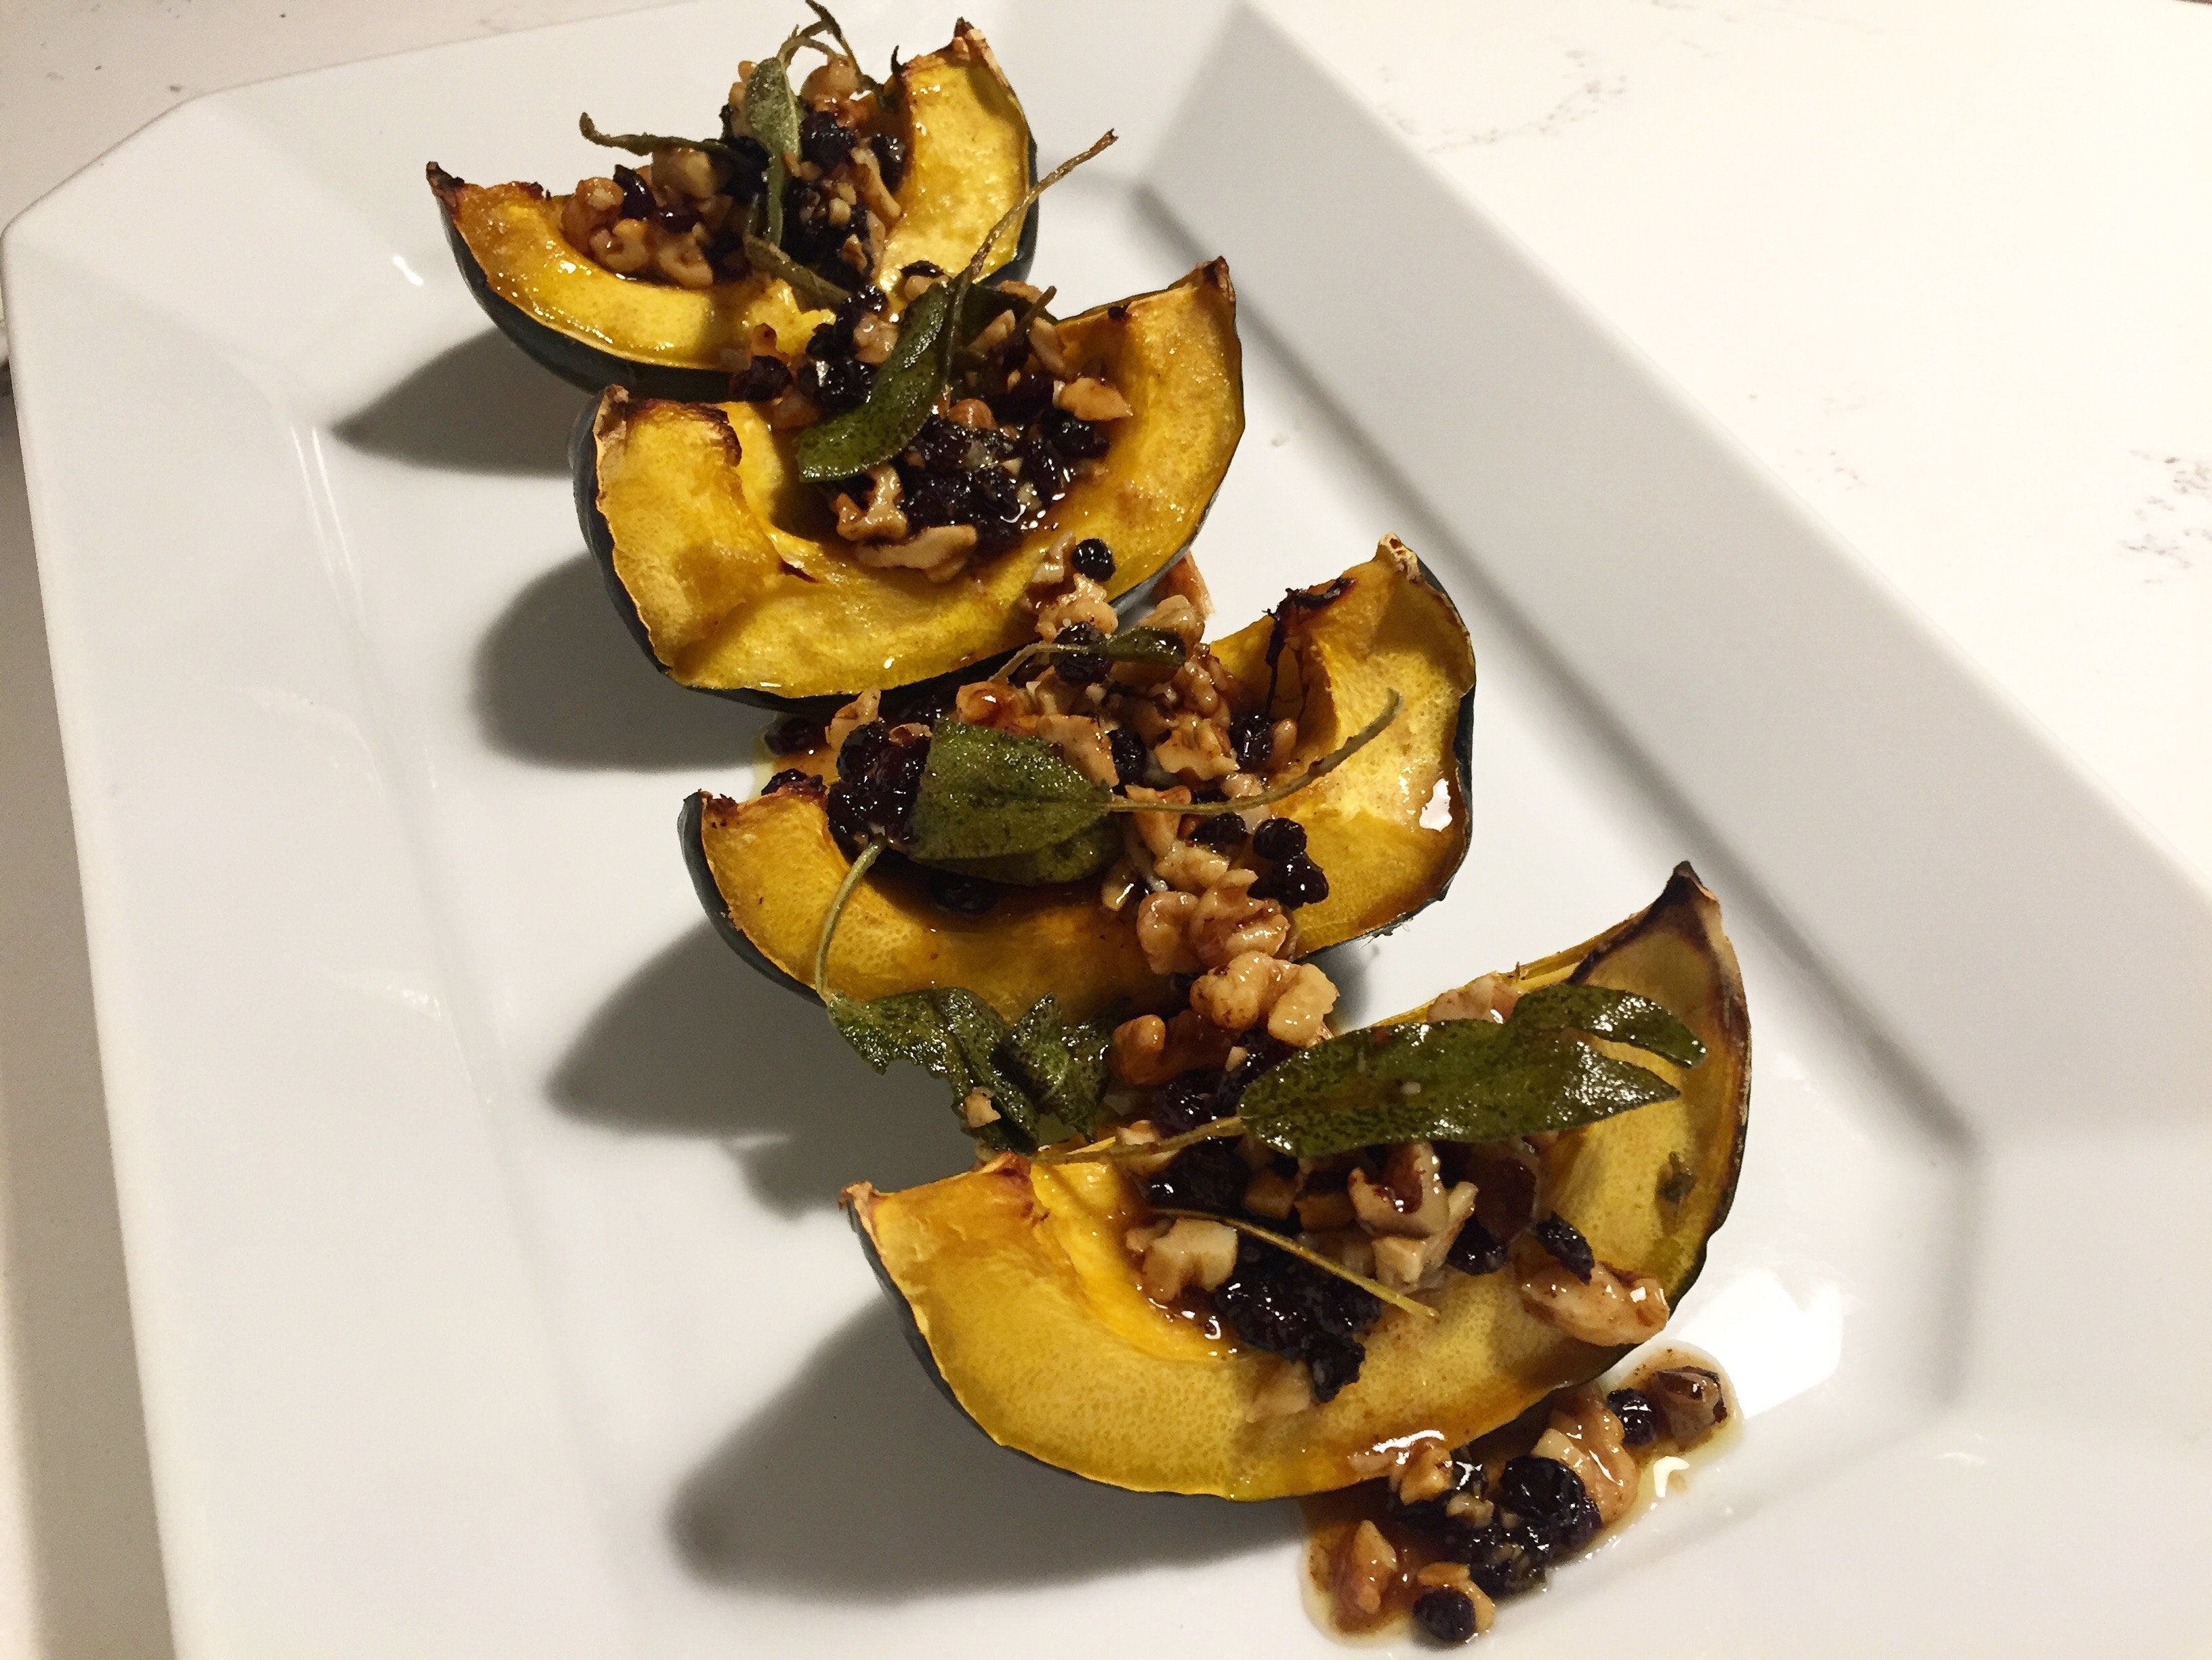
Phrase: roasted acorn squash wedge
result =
(726, 566)
(1389, 827)
(969, 158)
(1021, 1300)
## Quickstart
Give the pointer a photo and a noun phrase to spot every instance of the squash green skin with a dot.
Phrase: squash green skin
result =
(1017, 1295)
(766, 869)
(729, 569)
(582, 322)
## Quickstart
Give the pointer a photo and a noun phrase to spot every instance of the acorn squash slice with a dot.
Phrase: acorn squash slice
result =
(1021, 1300)
(726, 564)
(969, 158)
(1389, 827)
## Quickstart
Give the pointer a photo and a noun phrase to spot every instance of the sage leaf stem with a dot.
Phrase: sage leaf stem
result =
(1313, 774)
(1283, 1242)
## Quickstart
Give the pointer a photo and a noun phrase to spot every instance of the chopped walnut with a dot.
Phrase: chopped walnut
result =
(1229, 922)
(623, 247)
(1187, 866)
(1407, 1263)
(1692, 1400)
(594, 206)
(1585, 1436)
(1318, 1211)
(1409, 1200)
(1365, 1565)
(1044, 341)
(1487, 998)
(1082, 739)
(1179, 617)
(1288, 1391)
(994, 703)
(1089, 399)
(939, 553)
(873, 336)
(1192, 1252)
(1425, 1474)
(1148, 1050)
(1270, 1194)
(883, 521)
(1081, 600)
(1163, 932)
(1157, 830)
(1453, 1576)
(977, 1111)
(868, 175)
(1616, 1305)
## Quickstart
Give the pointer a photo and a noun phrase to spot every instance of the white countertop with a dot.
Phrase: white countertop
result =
(1942, 267)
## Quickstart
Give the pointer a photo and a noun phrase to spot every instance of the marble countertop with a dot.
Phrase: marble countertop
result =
(1942, 267)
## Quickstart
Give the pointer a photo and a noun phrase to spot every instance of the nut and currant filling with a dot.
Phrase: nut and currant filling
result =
(1212, 894)
(1299, 1257)
(1439, 1535)
(683, 217)
(1019, 420)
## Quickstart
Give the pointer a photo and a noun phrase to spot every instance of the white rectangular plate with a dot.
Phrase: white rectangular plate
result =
(479, 1206)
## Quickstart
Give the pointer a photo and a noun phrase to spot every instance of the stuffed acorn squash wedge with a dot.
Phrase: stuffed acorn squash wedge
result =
(739, 576)
(1036, 1292)
(1379, 838)
(659, 279)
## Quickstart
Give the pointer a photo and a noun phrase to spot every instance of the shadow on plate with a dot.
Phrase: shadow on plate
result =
(861, 1482)
(697, 1043)
(559, 681)
(479, 407)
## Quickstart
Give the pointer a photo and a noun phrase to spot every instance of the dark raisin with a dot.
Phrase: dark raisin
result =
(1211, 1176)
(1275, 1302)
(1024, 401)
(1504, 1557)
(863, 748)
(795, 734)
(1295, 881)
(1221, 832)
(637, 195)
(1042, 466)
(857, 304)
(1279, 838)
(793, 780)
(1446, 1615)
(1639, 1419)
(1077, 439)
(890, 162)
(1130, 754)
(964, 896)
(675, 217)
(760, 381)
(940, 446)
(1253, 737)
(848, 805)
(824, 140)
(918, 267)
(1564, 1241)
(829, 342)
(1093, 558)
(844, 384)
(1475, 1252)
(1551, 1498)
(1186, 1102)
(1079, 667)
(1690, 1399)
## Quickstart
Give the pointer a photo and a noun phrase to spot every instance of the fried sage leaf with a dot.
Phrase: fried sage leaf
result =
(1064, 1065)
(955, 1036)
(1620, 1016)
(986, 794)
(905, 391)
(645, 144)
(1468, 1080)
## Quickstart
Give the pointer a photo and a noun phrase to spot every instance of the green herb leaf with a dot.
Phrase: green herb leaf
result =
(906, 389)
(824, 21)
(1621, 1016)
(986, 794)
(1162, 647)
(1467, 1081)
(1064, 1065)
(772, 112)
(953, 1035)
(809, 285)
(645, 144)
